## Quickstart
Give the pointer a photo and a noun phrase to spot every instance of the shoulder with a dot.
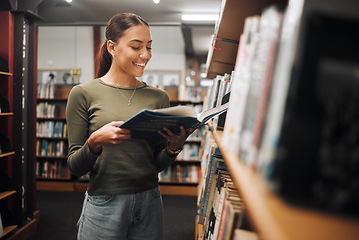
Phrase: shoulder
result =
(155, 91)
(84, 90)
(86, 87)
(155, 94)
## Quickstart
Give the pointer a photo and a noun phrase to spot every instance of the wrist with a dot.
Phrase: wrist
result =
(171, 152)
(95, 146)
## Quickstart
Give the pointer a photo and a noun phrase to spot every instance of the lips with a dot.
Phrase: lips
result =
(140, 65)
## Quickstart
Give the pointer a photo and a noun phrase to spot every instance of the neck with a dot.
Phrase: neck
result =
(120, 81)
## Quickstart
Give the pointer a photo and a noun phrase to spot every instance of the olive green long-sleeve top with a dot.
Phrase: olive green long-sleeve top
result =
(129, 167)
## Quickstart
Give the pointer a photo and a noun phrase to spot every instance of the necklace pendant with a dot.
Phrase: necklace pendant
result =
(129, 103)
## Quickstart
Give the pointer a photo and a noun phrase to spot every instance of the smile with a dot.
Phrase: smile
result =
(140, 64)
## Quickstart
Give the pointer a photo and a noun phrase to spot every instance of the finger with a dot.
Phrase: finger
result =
(183, 131)
(189, 132)
(163, 135)
(116, 123)
(169, 132)
(124, 131)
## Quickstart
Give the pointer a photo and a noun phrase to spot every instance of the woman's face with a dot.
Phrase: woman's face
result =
(132, 51)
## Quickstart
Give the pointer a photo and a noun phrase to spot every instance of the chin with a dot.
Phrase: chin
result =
(139, 74)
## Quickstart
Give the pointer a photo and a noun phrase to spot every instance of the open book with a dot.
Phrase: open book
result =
(147, 123)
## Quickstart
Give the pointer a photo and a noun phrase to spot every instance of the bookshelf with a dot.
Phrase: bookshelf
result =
(54, 86)
(17, 77)
(271, 213)
(185, 171)
(222, 56)
(182, 176)
(274, 218)
(6, 154)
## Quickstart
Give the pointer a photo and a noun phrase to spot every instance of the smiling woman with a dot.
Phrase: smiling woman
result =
(123, 200)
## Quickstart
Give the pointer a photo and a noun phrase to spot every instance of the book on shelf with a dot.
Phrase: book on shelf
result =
(272, 19)
(147, 123)
(52, 169)
(217, 204)
(259, 79)
(51, 148)
(222, 94)
(312, 111)
(180, 174)
(240, 84)
(55, 129)
(208, 168)
(278, 91)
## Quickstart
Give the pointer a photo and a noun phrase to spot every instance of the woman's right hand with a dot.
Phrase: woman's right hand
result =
(108, 135)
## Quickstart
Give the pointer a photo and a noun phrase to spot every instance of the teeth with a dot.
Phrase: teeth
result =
(140, 64)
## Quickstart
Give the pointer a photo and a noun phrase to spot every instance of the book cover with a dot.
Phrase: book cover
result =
(147, 123)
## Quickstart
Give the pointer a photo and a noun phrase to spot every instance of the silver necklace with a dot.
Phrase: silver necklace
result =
(133, 93)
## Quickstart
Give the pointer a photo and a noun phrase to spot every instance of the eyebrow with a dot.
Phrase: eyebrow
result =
(135, 40)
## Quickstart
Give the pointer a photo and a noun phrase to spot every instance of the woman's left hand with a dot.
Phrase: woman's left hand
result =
(175, 141)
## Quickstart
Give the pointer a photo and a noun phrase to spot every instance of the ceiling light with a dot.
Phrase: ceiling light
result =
(200, 17)
(156, 1)
(69, 1)
(63, 3)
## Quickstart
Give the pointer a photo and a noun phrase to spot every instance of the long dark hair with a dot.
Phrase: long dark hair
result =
(114, 30)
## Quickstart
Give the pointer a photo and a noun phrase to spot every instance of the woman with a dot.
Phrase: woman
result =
(123, 199)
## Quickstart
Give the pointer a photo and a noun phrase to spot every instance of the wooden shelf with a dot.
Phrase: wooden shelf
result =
(8, 229)
(55, 186)
(51, 118)
(273, 218)
(7, 114)
(52, 138)
(5, 73)
(52, 99)
(7, 154)
(52, 157)
(222, 56)
(178, 190)
(6, 194)
(189, 189)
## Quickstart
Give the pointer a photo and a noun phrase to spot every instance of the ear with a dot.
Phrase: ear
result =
(111, 47)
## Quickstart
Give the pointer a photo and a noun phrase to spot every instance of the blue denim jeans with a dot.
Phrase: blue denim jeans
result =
(136, 216)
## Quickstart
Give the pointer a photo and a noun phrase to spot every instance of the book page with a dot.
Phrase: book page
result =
(178, 110)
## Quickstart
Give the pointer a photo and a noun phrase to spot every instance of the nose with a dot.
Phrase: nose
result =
(145, 54)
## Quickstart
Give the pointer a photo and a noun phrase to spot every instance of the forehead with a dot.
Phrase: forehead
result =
(139, 32)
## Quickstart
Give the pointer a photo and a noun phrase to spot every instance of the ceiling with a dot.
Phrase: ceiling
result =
(167, 12)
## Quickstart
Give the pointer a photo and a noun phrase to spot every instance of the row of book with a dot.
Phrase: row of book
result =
(289, 109)
(194, 94)
(46, 90)
(51, 148)
(189, 152)
(181, 173)
(52, 169)
(45, 109)
(198, 134)
(51, 129)
(217, 95)
(220, 208)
